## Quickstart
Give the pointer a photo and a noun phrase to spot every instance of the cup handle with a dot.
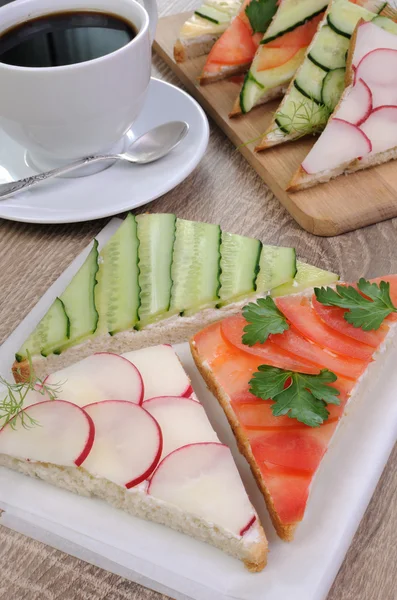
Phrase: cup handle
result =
(151, 8)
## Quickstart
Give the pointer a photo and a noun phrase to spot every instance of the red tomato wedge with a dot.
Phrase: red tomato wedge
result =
(299, 37)
(236, 46)
(270, 354)
(271, 58)
(300, 313)
(299, 449)
(341, 365)
(289, 491)
(333, 317)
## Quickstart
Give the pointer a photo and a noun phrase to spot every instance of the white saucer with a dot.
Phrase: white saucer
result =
(122, 186)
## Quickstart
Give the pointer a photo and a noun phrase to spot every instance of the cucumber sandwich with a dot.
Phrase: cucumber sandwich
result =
(159, 279)
(280, 52)
(199, 33)
(320, 80)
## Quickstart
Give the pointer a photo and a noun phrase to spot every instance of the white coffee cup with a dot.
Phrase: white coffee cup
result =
(62, 113)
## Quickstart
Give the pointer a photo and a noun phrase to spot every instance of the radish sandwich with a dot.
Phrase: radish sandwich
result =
(362, 131)
(142, 443)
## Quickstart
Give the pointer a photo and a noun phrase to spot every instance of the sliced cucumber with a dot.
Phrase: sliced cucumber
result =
(50, 334)
(291, 14)
(231, 7)
(251, 91)
(386, 24)
(259, 83)
(156, 234)
(309, 81)
(239, 267)
(277, 266)
(375, 6)
(117, 292)
(78, 299)
(298, 115)
(344, 16)
(329, 51)
(333, 86)
(195, 267)
(306, 277)
(212, 14)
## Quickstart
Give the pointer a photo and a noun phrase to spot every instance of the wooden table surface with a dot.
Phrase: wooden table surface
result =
(223, 189)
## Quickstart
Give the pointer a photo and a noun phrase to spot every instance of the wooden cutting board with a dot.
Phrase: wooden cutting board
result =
(345, 204)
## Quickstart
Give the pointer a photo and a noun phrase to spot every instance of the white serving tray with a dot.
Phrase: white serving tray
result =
(183, 568)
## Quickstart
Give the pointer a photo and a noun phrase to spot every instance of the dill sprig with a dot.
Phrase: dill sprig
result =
(12, 404)
(307, 117)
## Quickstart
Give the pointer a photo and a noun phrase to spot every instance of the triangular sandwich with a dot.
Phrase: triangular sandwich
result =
(233, 53)
(362, 131)
(200, 32)
(280, 53)
(284, 370)
(157, 280)
(319, 82)
(129, 430)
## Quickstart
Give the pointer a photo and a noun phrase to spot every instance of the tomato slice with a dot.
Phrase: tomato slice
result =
(299, 37)
(299, 449)
(232, 331)
(351, 368)
(271, 58)
(289, 492)
(236, 46)
(258, 415)
(299, 312)
(333, 317)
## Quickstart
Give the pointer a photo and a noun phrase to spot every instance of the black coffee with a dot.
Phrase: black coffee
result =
(64, 38)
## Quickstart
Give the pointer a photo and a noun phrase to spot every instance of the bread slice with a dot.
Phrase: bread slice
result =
(298, 115)
(368, 37)
(89, 478)
(218, 362)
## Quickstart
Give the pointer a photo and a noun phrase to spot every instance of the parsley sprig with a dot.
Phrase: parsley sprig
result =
(301, 397)
(367, 312)
(13, 396)
(260, 13)
(263, 318)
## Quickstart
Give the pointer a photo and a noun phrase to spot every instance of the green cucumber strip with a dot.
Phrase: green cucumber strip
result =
(195, 267)
(239, 267)
(330, 51)
(299, 115)
(277, 266)
(50, 334)
(156, 234)
(306, 277)
(117, 292)
(344, 16)
(333, 87)
(78, 299)
(199, 14)
(292, 14)
(309, 81)
(386, 24)
(249, 93)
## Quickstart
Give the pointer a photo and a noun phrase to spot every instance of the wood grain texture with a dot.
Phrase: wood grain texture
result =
(223, 189)
(344, 204)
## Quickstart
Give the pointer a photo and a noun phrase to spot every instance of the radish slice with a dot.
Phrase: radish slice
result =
(102, 376)
(62, 434)
(379, 71)
(161, 370)
(204, 471)
(371, 37)
(357, 105)
(381, 128)
(182, 421)
(128, 443)
(339, 144)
